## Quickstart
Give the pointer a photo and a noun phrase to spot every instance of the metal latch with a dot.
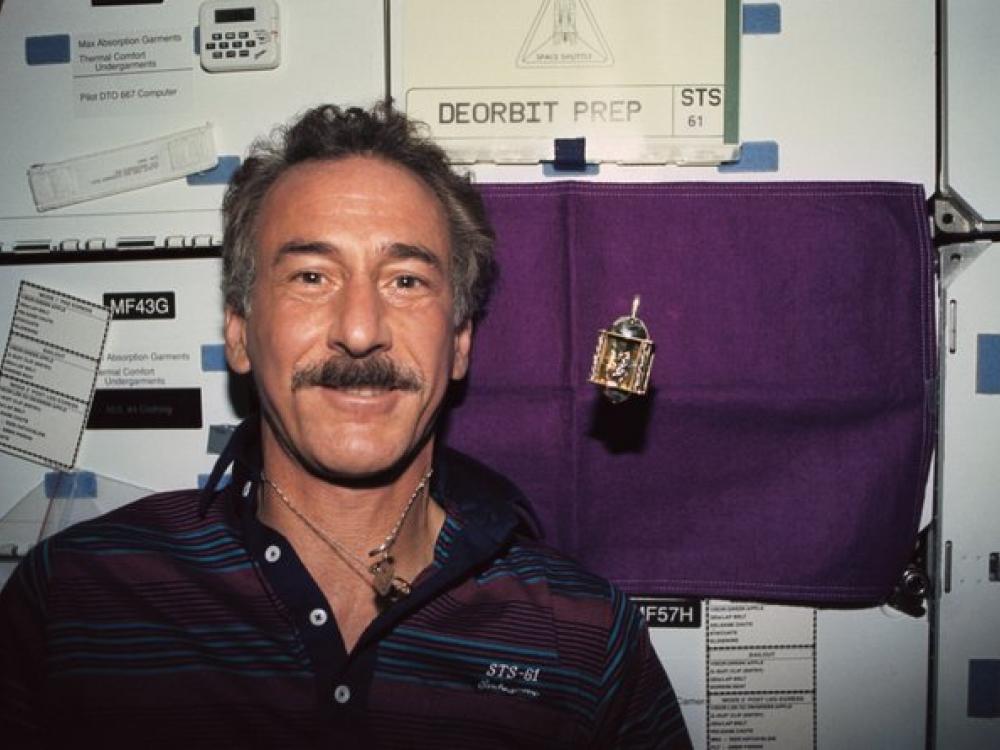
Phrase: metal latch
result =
(910, 594)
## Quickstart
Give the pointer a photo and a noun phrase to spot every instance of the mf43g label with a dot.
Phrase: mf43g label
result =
(141, 305)
(661, 612)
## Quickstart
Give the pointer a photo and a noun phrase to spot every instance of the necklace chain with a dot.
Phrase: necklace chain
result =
(381, 574)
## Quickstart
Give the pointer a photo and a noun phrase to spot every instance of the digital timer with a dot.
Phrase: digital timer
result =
(239, 35)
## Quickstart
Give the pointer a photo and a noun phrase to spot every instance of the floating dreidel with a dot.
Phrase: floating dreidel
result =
(623, 358)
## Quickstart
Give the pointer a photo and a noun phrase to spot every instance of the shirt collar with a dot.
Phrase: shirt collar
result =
(477, 495)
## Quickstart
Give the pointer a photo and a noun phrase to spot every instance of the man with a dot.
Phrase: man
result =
(355, 584)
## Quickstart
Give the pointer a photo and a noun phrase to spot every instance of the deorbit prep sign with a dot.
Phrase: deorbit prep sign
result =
(132, 72)
(646, 80)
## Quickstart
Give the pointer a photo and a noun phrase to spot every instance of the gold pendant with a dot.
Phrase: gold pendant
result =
(384, 571)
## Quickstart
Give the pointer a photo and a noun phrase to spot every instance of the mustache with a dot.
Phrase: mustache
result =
(345, 372)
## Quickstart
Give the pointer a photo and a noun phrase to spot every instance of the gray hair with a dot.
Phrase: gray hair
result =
(329, 132)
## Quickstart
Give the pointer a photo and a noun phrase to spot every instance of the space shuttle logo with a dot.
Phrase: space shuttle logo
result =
(564, 34)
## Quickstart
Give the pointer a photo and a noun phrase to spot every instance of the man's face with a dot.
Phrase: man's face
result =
(353, 269)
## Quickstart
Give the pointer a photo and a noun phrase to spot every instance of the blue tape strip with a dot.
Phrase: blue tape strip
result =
(984, 688)
(218, 438)
(988, 363)
(213, 358)
(46, 50)
(762, 18)
(570, 154)
(223, 481)
(70, 485)
(220, 174)
(755, 156)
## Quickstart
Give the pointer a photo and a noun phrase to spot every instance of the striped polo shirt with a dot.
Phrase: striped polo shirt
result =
(182, 621)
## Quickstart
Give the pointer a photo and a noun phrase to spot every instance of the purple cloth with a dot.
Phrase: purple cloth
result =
(783, 450)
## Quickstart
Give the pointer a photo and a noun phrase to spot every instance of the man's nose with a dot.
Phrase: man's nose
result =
(359, 326)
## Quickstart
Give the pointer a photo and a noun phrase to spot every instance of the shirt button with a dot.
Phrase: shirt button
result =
(318, 617)
(246, 488)
(342, 694)
(272, 553)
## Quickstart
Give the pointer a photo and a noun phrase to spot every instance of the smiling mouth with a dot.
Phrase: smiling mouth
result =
(364, 392)
(361, 401)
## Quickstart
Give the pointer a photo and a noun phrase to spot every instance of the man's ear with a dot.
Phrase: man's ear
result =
(236, 342)
(463, 346)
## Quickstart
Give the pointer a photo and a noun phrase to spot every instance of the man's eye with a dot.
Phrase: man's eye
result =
(408, 282)
(309, 277)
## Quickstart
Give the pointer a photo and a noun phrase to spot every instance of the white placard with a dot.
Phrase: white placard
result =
(48, 372)
(761, 672)
(118, 170)
(132, 72)
(647, 80)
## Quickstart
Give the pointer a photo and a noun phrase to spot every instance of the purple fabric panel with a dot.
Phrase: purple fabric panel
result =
(523, 340)
(783, 450)
(527, 434)
(515, 412)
